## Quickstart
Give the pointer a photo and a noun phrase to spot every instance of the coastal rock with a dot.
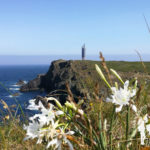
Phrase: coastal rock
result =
(80, 77)
(20, 83)
(32, 85)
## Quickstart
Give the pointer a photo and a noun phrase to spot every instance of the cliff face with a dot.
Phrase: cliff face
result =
(32, 85)
(81, 77)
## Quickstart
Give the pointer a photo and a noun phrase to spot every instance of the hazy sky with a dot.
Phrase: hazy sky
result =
(45, 27)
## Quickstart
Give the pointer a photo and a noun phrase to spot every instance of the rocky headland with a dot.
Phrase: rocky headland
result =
(81, 78)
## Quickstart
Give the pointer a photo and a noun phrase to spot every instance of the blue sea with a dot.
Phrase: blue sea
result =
(10, 75)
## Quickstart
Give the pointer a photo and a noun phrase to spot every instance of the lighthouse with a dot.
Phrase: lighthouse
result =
(83, 52)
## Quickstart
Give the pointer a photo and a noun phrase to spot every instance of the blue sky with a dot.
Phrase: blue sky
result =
(60, 27)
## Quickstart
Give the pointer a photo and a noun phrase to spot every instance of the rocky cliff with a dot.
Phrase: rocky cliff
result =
(80, 76)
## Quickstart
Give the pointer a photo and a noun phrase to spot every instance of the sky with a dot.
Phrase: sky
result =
(61, 27)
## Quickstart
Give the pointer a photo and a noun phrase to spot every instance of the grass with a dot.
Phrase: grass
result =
(87, 77)
(12, 135)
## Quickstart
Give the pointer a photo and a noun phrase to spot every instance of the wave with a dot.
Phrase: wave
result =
(14, 89)
(10, 96)
(13, 95)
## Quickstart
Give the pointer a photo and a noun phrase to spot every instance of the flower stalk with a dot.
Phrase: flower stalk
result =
(117, 75)
(102, 75)
(102, 139)
(127, 125)
(111, 125)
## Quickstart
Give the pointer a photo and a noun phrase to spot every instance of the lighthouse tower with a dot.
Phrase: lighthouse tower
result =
(83, 52)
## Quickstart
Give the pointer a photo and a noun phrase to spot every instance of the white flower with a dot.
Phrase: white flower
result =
(134, 108)
(39, 106)
(36, 130)
(33, 130)
(44, 126)
(49, 132)
(141, 127)
(32, 105)
(47, 114)
(46, 117)
(59, 139)
(122, 96)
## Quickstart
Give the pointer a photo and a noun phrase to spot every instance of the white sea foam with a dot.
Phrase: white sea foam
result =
(14, 89)
(10, 96)
(25, 81)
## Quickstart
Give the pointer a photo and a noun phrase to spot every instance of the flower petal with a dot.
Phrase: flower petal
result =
(126, 84)
(134, 108)
(118, 109)
(70, 145)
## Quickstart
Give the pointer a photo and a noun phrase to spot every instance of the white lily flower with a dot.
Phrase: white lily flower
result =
(55, 142)
(134, 108)
(32, 105)
(43, 125)
(36, 130)
(122, 96)
(33, 130)
(51, 131)
(45, 117)
(47, 114)
(141, 127)
(59, 139)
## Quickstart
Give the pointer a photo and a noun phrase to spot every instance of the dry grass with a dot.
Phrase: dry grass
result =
(12, 138)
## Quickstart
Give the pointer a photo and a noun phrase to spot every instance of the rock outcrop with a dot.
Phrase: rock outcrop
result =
(80, 76)
(32, 85)
(20, 83)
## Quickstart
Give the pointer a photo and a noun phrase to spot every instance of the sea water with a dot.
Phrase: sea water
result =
(10, 75)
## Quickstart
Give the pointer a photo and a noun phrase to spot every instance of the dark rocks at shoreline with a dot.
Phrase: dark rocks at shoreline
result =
(20, 83)
(32, 85)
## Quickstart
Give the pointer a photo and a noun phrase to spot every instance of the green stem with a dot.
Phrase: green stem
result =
(103, 145)
(94, 134)
(111, 125)
(127, 124)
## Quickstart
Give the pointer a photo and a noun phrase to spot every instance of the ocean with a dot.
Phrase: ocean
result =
(10, 75)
